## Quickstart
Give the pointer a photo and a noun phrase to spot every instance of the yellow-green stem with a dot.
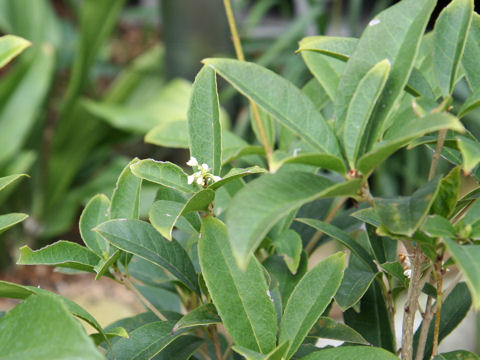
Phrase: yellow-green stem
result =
(240, 56)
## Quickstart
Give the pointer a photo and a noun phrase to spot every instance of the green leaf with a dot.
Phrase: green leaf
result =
(404, 215)
(164, 214)
(472, 53)
(287, 281)
(338, 47)
(360, 109)
(454, 309)
(309, 299)
(10, 47)
(164, 173)
(276, 354)
(373, 319)
(328, 328)
(351, 352)
(111, 334)
(405, 23)
(239, 296)
(235, 174)
(52, 332)
(7, 180)
(368, 216)
(141, 239)
(126, 196)
(438, 226)
(202, 316)
(9, 220)
(466, 258)
(283, 100)
(324, 161)
(470, 150)
(172, 134)
(258, 206)
(447, 196)
(327, 71)
(449, 37)
(181, 348)
(30, 80)
(400, 134)
(457, 355)
(95, 213)
(472, 103)
(289, 245)
(383, 249)
(62, 254)
(204, 121)
(395, 269)
(354, 284)
(145, 342)
(104, 265)
(344, 239)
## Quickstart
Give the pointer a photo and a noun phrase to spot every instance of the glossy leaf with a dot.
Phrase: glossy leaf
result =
(405, 214)
(454, 309)
(438, 226)
(239, 296)
(352, 352)
(9, 220)
(258, 206)
(276, 354)
(405, 23)
(182, 348)
(141, 239)
(10, 179)
(204, 315)
(328, 328)
(447, 196)
(171, 134)
(323, 161)
(289, 246)
(52, 332)
(283, 100)
(337, 47)
(204, 121)
(373, 319)
(383, 249)
(126, 196)
(470, 150)
(111, 334)
(402, 133)
(164, 173)
(472, 103)
(95, 213)
(164, 214)
(62, 254)
(466, 257)
(360, 108)
(344, 239)
(309, 299)
(145, 342)
(354, 284)
(234, 174)
(472, 52)
(10, 47)
(457, 355)
(449, 37)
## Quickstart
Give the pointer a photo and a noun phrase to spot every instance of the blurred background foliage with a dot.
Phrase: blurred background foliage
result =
(108, 80)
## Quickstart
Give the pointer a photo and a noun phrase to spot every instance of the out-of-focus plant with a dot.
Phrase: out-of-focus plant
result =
(226, 251)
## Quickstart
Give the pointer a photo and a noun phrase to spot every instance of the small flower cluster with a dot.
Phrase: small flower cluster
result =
(202, 177)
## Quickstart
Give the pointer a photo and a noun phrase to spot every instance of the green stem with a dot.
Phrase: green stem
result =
(241, 56)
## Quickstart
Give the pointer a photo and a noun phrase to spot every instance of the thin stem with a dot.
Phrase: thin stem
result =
(442, 134)
(438, 311)
(130, 286)
(313, 241)
(414, 289)
(241, 56)
(227, 352)
(427, 320)
(216, 342)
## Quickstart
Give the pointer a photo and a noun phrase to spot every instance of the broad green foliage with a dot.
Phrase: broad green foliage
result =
(10, 47)
(230, 240)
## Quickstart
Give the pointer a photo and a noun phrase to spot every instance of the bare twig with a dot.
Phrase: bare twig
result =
(442, 134)
(427, 320)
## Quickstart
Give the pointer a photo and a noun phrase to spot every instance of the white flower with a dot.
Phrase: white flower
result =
(270, 295)
(205, 167)
(408, 273)
(200, 181)
(192, 162)
(216, 178)
(190, 179)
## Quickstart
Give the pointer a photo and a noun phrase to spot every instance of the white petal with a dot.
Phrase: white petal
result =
(192, 162)
(408, 273)
(205, 167)
(216, 178)
(200, 181)
(190, 179)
